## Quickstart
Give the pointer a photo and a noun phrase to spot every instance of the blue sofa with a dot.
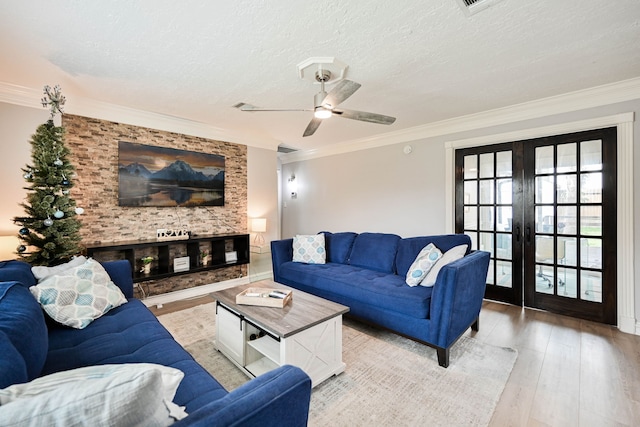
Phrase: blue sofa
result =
(32, 345)
(367, 273)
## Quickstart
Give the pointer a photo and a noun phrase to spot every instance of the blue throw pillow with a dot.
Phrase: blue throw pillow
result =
(18, 271)
(375, 251)
(338, 245)
(22, 322)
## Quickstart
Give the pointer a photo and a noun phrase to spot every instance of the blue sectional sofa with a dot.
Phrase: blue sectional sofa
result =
(32, 345)
(367, 273)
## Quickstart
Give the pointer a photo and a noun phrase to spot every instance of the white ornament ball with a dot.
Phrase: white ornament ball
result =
(79, 211)
(58, 162)
(48, 222)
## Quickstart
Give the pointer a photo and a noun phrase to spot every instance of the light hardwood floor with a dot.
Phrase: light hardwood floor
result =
(569, 372)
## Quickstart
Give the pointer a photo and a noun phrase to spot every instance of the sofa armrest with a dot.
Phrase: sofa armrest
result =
(278, 398)
(457, 296)
(120, 273)
(281, 252)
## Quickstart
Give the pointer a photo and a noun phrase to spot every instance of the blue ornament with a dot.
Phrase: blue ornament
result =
(58, 214)
(66, 182)
(21, 248)
(24, 231)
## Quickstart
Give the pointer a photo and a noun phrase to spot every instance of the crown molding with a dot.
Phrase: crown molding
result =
(622, 91)
(77, 105)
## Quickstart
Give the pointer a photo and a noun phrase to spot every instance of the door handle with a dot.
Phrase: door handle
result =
(528, 234)
(518, 234)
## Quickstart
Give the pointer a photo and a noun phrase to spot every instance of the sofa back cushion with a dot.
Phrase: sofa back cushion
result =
(19, 271)
(22, 323)
(338, 245)
(375, 251)
(409, 248)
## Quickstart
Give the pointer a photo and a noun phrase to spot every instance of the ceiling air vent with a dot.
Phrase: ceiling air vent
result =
(285, 149)
(471, 7)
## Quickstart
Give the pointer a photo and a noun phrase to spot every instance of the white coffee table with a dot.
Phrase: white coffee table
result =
(306, 333)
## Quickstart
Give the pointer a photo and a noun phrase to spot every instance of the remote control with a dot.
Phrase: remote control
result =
(278, 294)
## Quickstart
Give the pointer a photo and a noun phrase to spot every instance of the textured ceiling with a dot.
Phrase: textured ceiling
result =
(421, 61)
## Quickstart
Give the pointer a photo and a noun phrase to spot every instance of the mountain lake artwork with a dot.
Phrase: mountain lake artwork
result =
(159, 176)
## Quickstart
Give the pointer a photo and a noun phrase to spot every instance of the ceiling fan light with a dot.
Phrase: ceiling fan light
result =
(322, 113)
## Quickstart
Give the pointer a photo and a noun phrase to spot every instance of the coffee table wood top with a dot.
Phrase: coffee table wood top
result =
(304, 310)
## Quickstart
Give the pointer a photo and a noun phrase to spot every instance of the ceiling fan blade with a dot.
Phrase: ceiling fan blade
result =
(365, 117)
(339, 93)
(252, 108)
(312, 126)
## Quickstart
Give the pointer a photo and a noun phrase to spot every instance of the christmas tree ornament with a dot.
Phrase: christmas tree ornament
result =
(58, 162)
(27, 175)
(79, 211)
(21, 248)
(24, 231)
(66, 192)
(48, 222)
(65, 182)
(58, 214)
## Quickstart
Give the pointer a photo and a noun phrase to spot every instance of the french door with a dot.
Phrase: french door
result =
(545, 210)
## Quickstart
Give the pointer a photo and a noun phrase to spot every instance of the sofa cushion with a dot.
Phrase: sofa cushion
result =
(78, 295)
(338, 245)
(12, 367)
(131, 334)
(424, 262)
(23, 325)
(408, 248)
(309, 249)
(17, 271)
(375, 251)
(359, 285)
(124, 394)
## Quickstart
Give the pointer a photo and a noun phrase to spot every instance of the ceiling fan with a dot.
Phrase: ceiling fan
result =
(324, 104)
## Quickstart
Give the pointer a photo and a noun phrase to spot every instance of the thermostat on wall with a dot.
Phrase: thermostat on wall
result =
(181, 264)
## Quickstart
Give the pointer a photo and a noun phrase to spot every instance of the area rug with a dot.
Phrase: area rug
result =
(389, 380)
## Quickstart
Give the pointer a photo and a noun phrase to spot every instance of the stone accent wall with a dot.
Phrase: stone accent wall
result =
(94, 152)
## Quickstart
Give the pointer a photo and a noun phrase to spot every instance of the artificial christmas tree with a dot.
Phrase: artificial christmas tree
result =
(50, 231)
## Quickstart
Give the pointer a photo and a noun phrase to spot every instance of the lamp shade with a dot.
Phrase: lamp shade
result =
(259, 225)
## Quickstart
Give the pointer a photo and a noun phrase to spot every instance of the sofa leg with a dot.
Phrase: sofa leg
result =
(443, 356)
(476, 325)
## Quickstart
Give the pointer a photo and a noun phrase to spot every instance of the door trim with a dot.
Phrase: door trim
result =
(625, 212)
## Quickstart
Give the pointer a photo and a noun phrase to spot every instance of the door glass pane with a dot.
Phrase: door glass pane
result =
(503, 163)
(486, 191)
(503, 246)
(490, 274)
(470, 192)
(544, 249)
(544, 219)
(504, 274)
(591, 155)
(567, 188)
(591, 253)
(544, 279)
(470, 218)
(504, 190)
(567, 158)
(567, 220)
(486, 243)
(591, 220)
(545, 189)
(568, 246)
(470, 167)
(486, 165)
(504, 219)
(486, 218)
(544, 160)
(591, 187)
(567, 283)
(474, 240)
(591, 285)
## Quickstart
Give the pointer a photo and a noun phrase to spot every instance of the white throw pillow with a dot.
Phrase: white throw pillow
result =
(78, 295)
(423, 263)
(309, 249)
(138, 394)
(41, 272)
(450, 256)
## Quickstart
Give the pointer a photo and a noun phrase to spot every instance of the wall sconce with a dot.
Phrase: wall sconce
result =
(293, 186)
(258, 226)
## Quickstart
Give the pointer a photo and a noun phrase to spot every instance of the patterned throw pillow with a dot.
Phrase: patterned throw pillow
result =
(425, 260)
(77, 296)
(450, 256)
(309, 249)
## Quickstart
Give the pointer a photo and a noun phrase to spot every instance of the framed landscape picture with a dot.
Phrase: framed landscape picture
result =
(159, 176)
